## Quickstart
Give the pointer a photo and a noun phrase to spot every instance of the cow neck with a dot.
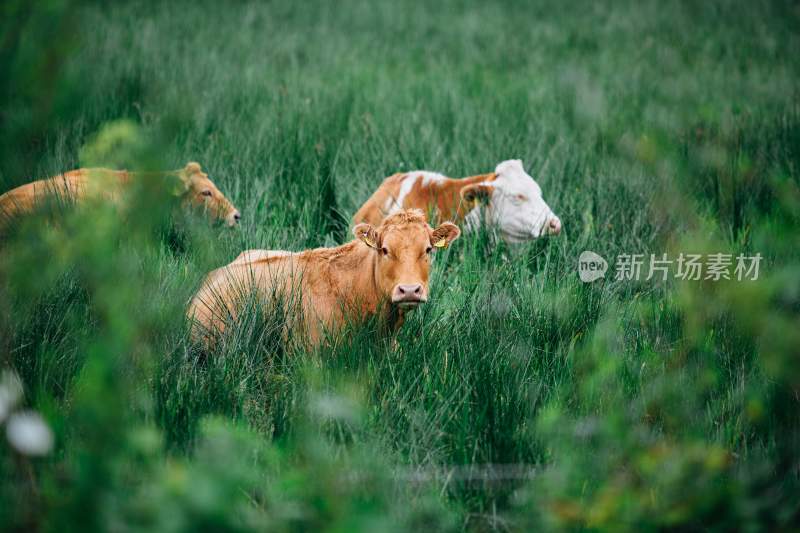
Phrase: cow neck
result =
(451, 206)
(126, 177)
(149, 174)
(355, 275)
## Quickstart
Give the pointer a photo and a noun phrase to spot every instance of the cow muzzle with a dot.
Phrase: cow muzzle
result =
(410, 295)
(553, 226)
(233, 218)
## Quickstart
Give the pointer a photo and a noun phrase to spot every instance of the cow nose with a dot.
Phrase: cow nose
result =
(408, 294)
(554, 226)
(234, 218)
(237, 216)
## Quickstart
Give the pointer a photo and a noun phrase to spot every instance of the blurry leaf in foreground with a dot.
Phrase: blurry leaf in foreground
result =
(118, 145)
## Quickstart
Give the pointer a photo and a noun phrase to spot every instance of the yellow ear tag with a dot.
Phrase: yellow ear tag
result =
(369, 242)
(441, 243)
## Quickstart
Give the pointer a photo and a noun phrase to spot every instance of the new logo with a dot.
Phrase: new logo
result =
(591, 266)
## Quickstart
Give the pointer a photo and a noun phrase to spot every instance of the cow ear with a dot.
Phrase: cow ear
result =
(366, 234)
(444, 235)
(477, 192)
(192, 168)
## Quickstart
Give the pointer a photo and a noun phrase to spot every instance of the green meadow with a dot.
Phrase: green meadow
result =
(519, 398)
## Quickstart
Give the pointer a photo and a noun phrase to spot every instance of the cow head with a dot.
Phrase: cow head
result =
(200, 192)
(403, 244)
(514, 204)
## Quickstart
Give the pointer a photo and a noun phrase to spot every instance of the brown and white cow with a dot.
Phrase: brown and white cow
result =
(507, 199)
(194, 188)
(383, 271)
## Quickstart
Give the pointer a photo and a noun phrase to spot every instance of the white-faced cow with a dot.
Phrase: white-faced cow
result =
(508, 200)
(384, 271)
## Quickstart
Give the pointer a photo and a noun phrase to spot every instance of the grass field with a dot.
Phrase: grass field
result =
(519, 397)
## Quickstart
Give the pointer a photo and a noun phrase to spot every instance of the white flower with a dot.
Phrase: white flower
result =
(10, 392)
(29, 434)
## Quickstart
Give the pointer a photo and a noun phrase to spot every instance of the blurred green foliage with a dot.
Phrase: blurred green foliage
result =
(120, 144)
(639, 406)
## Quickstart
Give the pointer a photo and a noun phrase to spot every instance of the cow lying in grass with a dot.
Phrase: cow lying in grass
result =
(384, 271)
(194, 188)
(507, 199)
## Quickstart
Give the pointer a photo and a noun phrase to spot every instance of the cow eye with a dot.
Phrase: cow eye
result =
(206, 193)
(384, 250)
(521, 197)
(428, 250)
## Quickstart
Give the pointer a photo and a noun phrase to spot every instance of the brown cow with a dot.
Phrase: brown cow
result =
(383, 271)
(507, 199)
(195, 190)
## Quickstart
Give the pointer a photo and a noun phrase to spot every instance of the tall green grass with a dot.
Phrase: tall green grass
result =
(638, 405)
